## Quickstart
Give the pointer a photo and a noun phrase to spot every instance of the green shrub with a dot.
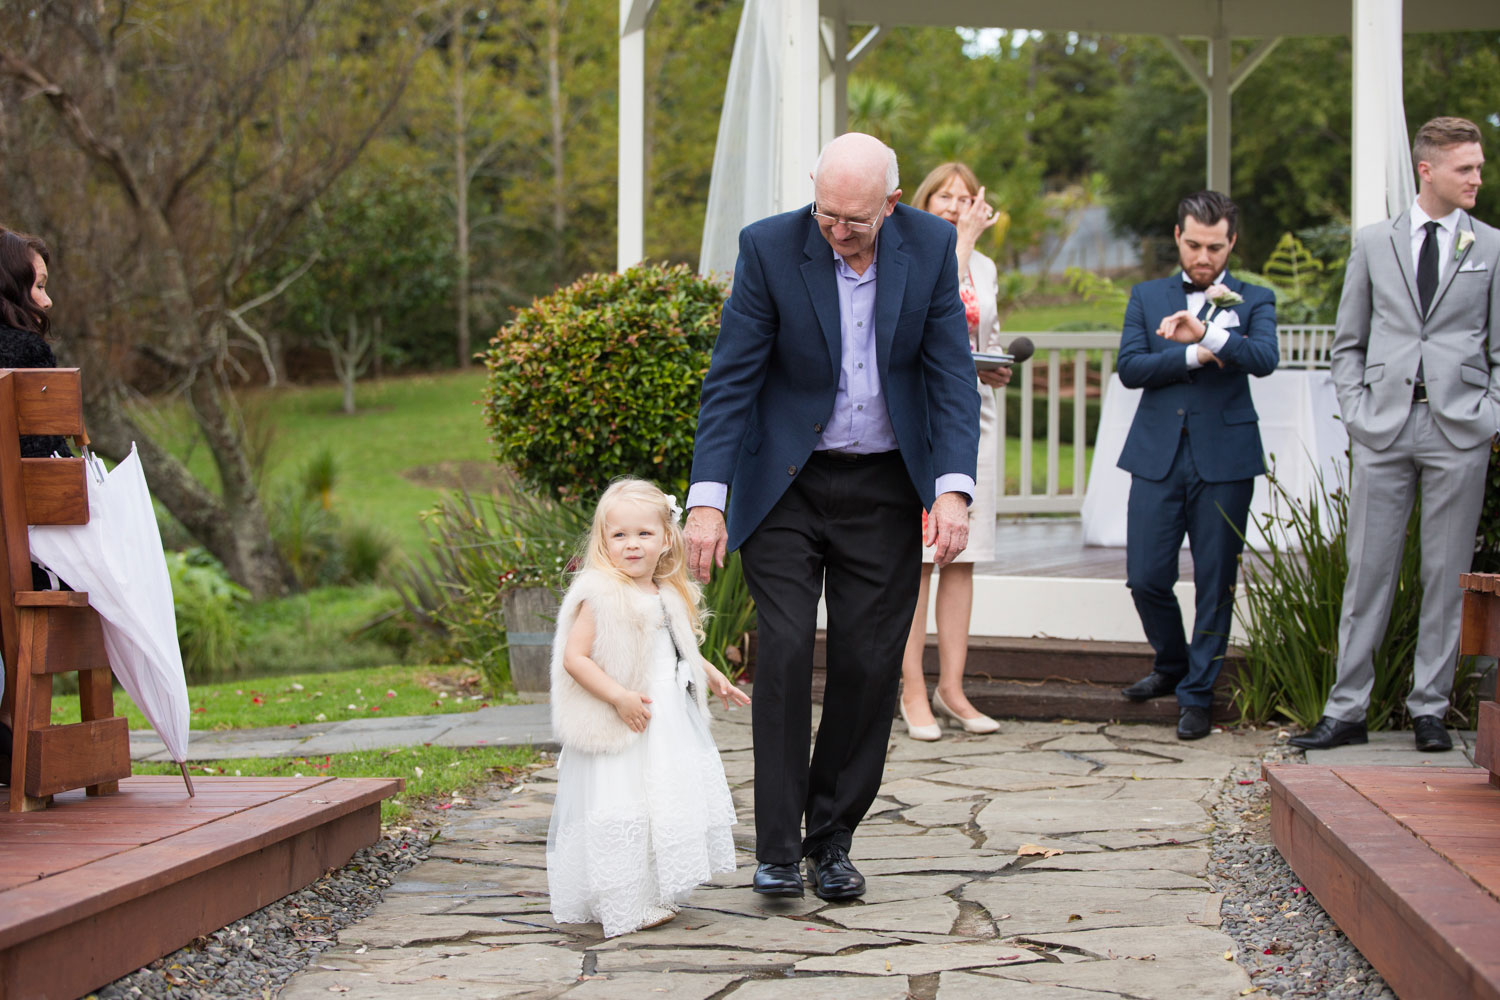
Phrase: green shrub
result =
(1487, 545)
(207, 604)
(478, 547)
(601, 379)
(1293, 597)
(731, 617)
(1091, 410)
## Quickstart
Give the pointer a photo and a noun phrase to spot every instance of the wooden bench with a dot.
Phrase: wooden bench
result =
(1481, 637)
(43, 633)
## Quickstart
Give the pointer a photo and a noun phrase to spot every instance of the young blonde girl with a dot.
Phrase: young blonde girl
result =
(642, 812)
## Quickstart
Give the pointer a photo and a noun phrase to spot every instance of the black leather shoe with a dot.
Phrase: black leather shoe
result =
(778, 880)
(1330, 733)
(1432, 736)
(1153, 685)
(833, 875)
(1193, 723)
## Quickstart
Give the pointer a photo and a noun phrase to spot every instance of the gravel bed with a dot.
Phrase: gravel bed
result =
(1287, 943)
(256, 955)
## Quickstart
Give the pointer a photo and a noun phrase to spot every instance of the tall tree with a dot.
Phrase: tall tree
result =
(167, 150)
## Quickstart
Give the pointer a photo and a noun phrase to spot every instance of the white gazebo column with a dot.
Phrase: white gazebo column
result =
(1378, 111)
(797, 123)
(1219, 82)
(1218, 113)
(630, 237)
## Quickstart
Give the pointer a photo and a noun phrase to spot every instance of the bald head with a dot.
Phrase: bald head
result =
(858, 159)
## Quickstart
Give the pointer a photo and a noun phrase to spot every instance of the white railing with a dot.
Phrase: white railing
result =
(1088, 357)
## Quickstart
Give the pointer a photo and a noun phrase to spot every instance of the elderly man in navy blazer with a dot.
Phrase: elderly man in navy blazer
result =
(839, 403)
(1191, 341)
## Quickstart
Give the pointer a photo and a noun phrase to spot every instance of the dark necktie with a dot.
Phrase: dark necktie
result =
(1427, 268)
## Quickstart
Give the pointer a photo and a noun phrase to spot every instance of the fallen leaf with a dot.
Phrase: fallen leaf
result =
(1032, 850)
(1074, 916)
(1229, 956)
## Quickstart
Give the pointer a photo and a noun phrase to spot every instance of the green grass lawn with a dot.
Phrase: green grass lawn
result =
(298, 700)
(438, 777)
(1051, 317)
(412, 438)
(328, 628)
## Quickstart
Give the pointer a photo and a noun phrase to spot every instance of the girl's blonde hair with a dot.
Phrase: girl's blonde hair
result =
(671, 568)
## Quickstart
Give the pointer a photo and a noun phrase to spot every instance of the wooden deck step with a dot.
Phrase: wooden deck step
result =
(1406, 860)
(1058, 679)
(94, 888)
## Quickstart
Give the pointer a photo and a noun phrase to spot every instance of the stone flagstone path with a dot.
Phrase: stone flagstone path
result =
(1108, 900)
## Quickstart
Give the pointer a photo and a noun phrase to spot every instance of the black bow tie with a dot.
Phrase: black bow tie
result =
(1189, 288)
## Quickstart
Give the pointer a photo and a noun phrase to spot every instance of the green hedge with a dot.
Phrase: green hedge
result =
(601, 378)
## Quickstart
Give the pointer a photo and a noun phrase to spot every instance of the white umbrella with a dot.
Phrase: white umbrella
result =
(117, 560)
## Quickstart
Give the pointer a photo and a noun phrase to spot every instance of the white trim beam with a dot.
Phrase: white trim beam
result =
(630, 194)
(1197, 19)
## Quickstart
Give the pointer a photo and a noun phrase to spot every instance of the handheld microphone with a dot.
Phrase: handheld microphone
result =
(1021, 349)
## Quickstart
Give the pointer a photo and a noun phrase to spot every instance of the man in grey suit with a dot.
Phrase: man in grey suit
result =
(1416, 364)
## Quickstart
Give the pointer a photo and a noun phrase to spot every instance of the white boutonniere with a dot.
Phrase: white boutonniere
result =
(1464, 241)
(1221, 297)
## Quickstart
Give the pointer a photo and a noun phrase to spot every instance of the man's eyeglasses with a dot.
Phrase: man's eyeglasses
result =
(833, 220)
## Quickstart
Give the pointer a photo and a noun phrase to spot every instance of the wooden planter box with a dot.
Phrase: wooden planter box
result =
(530, 621)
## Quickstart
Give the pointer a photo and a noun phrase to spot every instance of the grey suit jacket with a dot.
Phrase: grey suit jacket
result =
(1380, 336)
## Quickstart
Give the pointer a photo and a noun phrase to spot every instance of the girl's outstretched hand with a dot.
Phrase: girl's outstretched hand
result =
(631, 706)
(723, 687)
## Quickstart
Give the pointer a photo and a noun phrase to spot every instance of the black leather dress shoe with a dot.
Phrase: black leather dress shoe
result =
(1193, 723)
(1153, 685)
(833, 875)
(1329, 733)
(1432, 736)
(778, 880)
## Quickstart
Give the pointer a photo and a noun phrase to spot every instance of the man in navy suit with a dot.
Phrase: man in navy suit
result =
(839, 403)
(1190, 342)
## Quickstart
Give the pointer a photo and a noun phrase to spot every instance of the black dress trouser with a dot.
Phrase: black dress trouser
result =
(849, 528)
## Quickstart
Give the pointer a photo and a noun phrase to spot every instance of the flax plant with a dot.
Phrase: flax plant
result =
(1293, 593)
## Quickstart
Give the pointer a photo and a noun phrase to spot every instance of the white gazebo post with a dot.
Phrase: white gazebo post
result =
(630, 238)
(1378, 113)
(1218, 81)
(797, 123)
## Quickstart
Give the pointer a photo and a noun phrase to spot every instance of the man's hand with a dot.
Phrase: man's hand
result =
(1182, 327)
(947, 528)
(1205, 356)
(996, 378)
(706, 540)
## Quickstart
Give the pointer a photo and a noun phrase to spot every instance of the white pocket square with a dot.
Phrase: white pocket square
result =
(1226, 319)
(1473, 265)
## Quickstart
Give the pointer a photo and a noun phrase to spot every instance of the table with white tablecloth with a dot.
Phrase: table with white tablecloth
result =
(1299, 429)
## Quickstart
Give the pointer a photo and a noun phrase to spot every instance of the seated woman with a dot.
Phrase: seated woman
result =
(24, 324)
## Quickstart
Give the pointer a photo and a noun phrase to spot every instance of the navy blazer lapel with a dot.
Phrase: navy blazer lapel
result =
(891, 263)
(1450, 267)
(1176, 302)
(822, 288)
(1401, 244)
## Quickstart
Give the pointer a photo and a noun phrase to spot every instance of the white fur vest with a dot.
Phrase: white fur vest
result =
(625, 621)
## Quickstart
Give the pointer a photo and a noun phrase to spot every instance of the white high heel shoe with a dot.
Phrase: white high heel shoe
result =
(927, 734)
(979, 725)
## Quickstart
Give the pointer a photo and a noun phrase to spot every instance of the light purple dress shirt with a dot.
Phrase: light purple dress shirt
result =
(859, 423)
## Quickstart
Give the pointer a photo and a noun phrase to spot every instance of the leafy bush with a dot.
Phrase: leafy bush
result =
(478, 547)
(601, 379)
(320, 548)
(731, 617)
(207, 603)
(1293, 597)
